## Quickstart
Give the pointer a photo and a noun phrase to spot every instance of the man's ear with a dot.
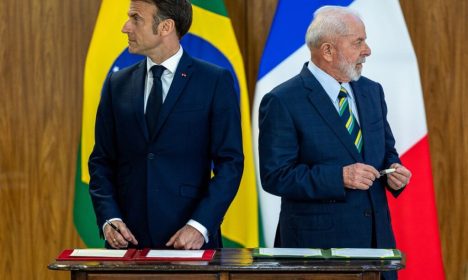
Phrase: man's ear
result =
(326, 51)
(167, 26)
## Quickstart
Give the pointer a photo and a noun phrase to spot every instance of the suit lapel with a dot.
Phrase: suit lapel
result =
(138, 98)
(322, 103)
(181, 77)
(363, 106)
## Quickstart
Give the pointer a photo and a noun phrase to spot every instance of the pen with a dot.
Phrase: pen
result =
(387, 171)
(116, 229)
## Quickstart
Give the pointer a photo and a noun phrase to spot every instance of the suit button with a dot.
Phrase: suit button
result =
(368, 213)
(150, 156)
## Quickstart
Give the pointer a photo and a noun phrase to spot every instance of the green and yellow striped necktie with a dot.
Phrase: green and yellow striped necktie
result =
(349, 119)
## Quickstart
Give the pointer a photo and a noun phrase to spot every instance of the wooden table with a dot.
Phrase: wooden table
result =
(235, 264)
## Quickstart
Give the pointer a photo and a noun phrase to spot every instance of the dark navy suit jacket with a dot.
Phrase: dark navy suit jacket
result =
(157, 183)
(303, 148)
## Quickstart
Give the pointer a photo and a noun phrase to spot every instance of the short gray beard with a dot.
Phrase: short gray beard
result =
(349, 69)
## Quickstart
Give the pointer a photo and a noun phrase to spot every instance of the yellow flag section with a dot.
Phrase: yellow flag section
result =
(107, 43)
(241, 222)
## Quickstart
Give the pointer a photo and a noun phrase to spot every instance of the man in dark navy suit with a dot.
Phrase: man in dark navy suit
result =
(324, 137)
(162, 126)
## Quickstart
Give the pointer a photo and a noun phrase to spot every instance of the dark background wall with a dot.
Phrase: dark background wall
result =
(42, 52)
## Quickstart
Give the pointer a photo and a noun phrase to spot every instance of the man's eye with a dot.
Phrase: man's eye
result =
(358, 43)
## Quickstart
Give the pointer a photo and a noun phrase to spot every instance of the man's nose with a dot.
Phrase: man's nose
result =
(125, 27)
(367, 50)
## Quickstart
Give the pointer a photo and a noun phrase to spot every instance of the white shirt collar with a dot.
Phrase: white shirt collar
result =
(330, 85)
(170, 63)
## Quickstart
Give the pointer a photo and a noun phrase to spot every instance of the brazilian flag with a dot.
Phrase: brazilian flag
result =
(210, 38)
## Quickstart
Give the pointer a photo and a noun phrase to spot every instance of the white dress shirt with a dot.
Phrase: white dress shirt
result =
(332, 88)
(167, 76)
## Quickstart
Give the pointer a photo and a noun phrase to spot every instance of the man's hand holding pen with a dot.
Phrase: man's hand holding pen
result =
(118, 235)
(400, 178)
(361, 176)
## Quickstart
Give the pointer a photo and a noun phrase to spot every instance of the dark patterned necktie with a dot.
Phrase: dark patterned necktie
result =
(349, 119)
(154, 103)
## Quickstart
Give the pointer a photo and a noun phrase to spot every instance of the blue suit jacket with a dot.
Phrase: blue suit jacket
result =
(303, 148)
(156, 184)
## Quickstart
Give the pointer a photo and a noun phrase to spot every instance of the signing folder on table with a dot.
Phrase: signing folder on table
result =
(135, 255)
(333, 253)
(96, 255)
(182, 255)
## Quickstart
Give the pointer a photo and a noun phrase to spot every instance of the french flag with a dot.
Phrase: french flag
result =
(392, 63)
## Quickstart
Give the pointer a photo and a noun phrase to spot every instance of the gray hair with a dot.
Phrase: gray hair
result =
(328, 23)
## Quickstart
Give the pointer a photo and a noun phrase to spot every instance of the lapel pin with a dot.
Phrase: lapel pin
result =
(184, 75)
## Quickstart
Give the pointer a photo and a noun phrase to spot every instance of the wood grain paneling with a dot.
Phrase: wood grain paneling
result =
(144, 276)
(304, 276)
(238, 15)
(259, 17)
(251, 21)
(439, 30)
(42, 53)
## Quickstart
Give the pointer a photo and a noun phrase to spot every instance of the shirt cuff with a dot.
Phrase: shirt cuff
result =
(200, 228)
(110, 220)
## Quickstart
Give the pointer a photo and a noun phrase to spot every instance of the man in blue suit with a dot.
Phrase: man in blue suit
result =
(324, 136)
(162, 125)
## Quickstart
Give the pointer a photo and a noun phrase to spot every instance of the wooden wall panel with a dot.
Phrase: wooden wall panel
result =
(259, 17)
(42, 53)
(42, 56)
(251, 21)
(237, 13)
(439, 30)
